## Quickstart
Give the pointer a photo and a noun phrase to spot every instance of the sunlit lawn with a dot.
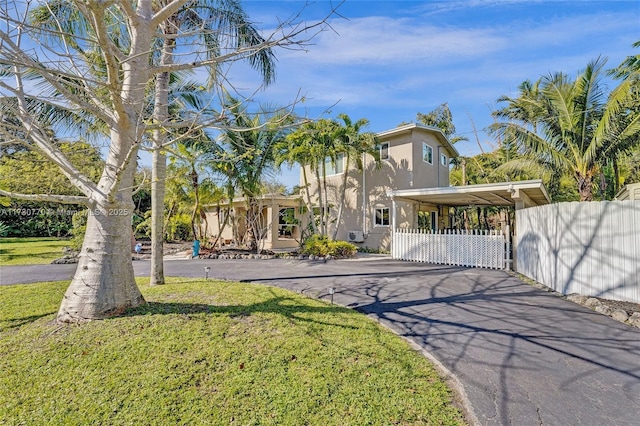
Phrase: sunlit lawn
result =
(210, 352)
(30, 251)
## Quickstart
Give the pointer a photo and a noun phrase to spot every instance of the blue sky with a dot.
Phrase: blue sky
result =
(387, 60)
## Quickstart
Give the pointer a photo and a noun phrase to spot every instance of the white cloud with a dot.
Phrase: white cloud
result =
(389, 68)
(376, 40)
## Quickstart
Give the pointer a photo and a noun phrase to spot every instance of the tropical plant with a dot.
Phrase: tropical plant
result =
(442, 119)
(352, 144)
(247, 155)
(322, 246)
(188, 164)
(314, 146)
(4, 229)
(565, 126)
(219, 25)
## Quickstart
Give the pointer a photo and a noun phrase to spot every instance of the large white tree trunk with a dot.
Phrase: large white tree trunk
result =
(104, 283)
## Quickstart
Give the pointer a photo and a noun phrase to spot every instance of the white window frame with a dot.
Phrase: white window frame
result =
(384, 146)
(444, 161)
(332, 170)
(282, 225)
(424, 147)
(375, 217)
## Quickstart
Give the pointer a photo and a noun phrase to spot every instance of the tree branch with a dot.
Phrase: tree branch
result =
(49, 198)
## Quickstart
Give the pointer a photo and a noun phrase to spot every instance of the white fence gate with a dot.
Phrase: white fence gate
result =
(478, 249)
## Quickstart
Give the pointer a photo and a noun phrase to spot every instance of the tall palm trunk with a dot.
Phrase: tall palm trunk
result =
(196, 203)
(585, 186)
(158, 177)
(252, 224)
(325, 211)
(159, 162)
(342, 195)
(320, 202)
(308, 204)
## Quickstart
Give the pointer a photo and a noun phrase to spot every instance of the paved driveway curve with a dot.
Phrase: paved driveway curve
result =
(524, 356)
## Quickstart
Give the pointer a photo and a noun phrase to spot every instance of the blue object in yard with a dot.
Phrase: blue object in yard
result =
(138, 248)
(196, 248)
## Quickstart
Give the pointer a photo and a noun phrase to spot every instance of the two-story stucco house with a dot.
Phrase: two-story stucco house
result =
(408, 188)
(411, 156)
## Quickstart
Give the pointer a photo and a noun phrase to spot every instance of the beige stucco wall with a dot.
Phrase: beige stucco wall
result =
(269, 223)
(404, 169)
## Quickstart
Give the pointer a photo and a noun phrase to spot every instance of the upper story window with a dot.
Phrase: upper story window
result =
(444, 160)
(427, 153)
(334, 168)
(384, 150)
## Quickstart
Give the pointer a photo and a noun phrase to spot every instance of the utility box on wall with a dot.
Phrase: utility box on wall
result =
(355, 236)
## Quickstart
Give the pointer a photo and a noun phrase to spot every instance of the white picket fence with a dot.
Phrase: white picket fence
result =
(478, 249)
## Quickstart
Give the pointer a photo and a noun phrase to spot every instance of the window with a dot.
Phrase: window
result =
(336, 168)
(443, 160)
(287, 223)
(427, 153)
(382, 216)
(384, 150)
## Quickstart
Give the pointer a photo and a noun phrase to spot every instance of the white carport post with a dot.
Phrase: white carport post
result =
(393, 225)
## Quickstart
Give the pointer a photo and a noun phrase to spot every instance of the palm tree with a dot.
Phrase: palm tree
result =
(313, 145)
(622, 118)
(296, 148)
(188, 161)
(353, 144)
(564, 125)
(216, 22)
(248, 154)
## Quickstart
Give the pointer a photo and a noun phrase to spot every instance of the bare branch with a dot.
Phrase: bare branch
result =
(49, 198)
(167, 11)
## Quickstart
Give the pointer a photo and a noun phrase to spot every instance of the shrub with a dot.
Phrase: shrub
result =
(4, 229)
(322, 246)
(316, 245)
(178, 228)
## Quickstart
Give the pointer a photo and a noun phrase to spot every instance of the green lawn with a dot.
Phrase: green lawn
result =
(210, 352)
(30, 251)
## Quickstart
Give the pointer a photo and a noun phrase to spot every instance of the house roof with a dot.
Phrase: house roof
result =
(630, 191)
(407, 128)
(490, 194)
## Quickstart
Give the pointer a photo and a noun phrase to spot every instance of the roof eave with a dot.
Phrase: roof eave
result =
(413, 126)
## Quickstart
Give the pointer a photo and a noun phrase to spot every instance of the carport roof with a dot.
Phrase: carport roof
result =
(532, 192)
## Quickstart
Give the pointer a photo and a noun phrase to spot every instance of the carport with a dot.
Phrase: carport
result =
(490, 249)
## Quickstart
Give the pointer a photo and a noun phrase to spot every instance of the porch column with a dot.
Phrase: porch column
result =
(393, 215)
(272, 226)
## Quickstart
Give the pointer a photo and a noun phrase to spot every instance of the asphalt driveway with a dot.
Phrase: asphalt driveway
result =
(522, 355)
